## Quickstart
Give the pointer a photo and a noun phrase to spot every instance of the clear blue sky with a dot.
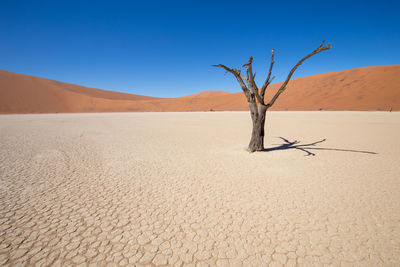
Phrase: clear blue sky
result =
(165, 48)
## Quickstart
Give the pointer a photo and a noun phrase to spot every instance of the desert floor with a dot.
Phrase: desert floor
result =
(179, 188)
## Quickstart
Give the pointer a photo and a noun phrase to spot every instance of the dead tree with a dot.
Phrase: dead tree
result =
(255, 95)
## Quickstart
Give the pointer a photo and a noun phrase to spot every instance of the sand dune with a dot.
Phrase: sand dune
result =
(27, 94)
(207, 93)
(367, 88)
(175, 189)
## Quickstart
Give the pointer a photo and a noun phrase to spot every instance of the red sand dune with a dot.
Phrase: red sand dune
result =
(367, 88)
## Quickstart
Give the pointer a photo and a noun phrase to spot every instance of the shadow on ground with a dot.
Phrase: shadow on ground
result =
(311, 146)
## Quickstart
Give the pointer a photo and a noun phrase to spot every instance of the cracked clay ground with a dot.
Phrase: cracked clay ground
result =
(180, 189)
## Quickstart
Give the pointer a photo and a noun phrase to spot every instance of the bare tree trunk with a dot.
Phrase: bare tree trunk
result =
(258, 132)
(255, 95)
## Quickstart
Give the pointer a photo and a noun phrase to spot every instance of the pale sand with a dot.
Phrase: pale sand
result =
(174, 188)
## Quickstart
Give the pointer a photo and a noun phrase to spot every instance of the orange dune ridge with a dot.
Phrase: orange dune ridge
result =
(366, 88)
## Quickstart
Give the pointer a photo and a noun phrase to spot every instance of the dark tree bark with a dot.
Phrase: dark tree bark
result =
(255, 95)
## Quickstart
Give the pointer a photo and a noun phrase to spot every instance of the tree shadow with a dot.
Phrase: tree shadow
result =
(306, 147)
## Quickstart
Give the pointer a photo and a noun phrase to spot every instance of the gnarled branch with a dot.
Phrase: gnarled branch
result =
(251, 82)
(239, 77)
(320, 48)
(269, 79)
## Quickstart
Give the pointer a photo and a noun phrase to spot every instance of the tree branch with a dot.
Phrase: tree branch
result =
(246, 67)
(251, 82)
(269, 79)
(283, 86)
(239, 77)
(243, 77)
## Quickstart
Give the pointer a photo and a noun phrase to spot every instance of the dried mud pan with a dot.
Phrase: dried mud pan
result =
(180, 189)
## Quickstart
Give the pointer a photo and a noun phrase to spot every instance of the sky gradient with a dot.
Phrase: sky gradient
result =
(165, 48)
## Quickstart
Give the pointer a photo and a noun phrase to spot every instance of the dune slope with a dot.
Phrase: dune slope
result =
(367, 88)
